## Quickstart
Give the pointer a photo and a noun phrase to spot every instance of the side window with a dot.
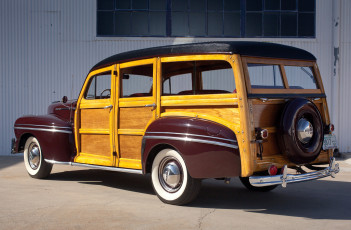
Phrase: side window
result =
(221, 79)
(197, 77)
(177, 84)
(265, 76)
(99, 87)
(300, 77)
(136, 81)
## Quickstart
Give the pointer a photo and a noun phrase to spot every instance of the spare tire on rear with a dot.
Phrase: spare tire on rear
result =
(301, 131)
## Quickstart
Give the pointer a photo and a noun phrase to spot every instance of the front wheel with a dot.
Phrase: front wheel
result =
(246, 182)
(34, 160)
(171, 180)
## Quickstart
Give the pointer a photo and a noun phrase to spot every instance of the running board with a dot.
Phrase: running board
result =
(134, 171)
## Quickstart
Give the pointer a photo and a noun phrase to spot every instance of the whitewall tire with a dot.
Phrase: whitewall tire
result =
(171, 180)
(34, 160)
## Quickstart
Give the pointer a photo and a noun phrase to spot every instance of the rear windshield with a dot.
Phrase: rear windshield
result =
(270, 76)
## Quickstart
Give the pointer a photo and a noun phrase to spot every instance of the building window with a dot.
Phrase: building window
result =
(206, 18)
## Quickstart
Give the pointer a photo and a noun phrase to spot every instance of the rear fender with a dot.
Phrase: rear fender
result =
(209, 149)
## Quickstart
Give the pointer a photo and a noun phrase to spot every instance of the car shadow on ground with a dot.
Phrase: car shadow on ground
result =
(320, 199)
(6, 161)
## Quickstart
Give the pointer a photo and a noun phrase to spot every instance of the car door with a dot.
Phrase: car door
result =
(94, 120)
(136, 103)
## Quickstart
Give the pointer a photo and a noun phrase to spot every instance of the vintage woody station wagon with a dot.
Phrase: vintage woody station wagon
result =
(189, 112)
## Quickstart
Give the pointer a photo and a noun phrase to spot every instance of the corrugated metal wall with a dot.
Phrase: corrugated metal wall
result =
(47, 47)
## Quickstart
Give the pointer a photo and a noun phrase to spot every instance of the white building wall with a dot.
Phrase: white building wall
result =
(47, 48)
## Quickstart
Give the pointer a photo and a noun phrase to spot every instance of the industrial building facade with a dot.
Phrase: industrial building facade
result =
(48, 46)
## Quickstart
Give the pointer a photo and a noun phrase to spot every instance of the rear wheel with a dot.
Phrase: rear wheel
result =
(171, 180)
(34, 161)
(246, 182)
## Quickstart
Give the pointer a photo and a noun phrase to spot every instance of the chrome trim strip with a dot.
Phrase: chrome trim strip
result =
(134, 171)
(47, 126)
(261, 181)
(192, 140)
(196, 135)
(58, 162)
(45, 130)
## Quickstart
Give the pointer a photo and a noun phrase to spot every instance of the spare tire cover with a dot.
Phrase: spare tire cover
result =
(301, 131)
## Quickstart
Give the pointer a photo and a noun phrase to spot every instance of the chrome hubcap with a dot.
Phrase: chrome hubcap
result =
(304, 130)
(34, 156)
(170, 174)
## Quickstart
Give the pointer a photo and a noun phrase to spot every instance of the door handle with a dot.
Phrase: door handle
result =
(109, 107)
(151, 105)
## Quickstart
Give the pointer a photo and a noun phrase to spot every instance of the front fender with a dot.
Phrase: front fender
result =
(209, 149)
(54, 135)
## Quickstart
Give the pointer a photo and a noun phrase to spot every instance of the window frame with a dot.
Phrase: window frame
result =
(281, 63)
(208, 57)
(243, 20)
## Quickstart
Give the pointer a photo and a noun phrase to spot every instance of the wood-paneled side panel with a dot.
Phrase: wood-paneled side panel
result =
(96, 144)
(134, 118)
(95, 118)
(271, 147)
(267, 115)
(230, 114)
(131, 147)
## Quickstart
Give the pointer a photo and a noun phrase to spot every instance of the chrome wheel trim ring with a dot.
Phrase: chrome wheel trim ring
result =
(170, 174)
(304, 131)
(34, 156)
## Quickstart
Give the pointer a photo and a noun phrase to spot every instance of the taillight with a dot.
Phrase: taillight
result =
(261, 134)
(272, 170)
(329, 128)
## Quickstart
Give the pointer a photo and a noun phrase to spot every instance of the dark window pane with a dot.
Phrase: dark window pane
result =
(307, 5)
(180, 24)
(105, 23)
(215, 5)
(288, 4)
(197, 23)
(253, 24)
(288, 24)
(253, 5)
(271, 24)
(122, 4)
(139, 4)
(157, 23)
(272, 4)
(122, 23)
(230, 5)
(198, 5)
(179, 5)
(105, 5)
(158, 5)
(306, 25)
(139, 23)
(215, 24)
(232, 24)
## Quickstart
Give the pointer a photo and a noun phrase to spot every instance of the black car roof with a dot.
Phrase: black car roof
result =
(253, 49)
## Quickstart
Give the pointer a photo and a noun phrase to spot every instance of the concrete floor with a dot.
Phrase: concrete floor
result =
(81, 198)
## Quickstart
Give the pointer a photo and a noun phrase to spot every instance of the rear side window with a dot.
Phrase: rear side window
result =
(265, 76)
(300, 77)
(197, 77)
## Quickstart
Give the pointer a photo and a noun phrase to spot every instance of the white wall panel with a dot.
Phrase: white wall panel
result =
(47, 48)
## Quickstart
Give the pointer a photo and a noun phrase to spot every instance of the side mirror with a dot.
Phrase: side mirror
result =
(64, 99)
(125, 76)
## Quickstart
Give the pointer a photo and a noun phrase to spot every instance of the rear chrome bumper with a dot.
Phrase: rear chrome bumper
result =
(284, 179)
